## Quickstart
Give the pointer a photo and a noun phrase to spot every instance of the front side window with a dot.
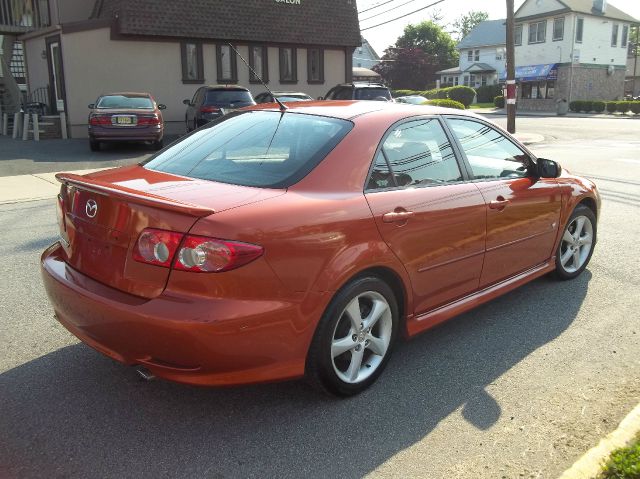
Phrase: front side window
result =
(517, 34)
(415, 153)
(625, 36)
(259, 62)
(263, 149)
(192, 69)
(579, 30)
(315, 65)
(614, 35)
(537, 32)
(490, 154)
(558, 29)
(288, 65)
(227, 70)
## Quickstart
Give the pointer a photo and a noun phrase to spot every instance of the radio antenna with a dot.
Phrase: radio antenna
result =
(282, 106)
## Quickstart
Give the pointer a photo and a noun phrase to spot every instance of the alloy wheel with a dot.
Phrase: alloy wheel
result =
(576, 244)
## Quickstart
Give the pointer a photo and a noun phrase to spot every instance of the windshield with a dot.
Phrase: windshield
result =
(125, 102)
(293, 97)
(254, 148)
(237, 98)
(372, 93)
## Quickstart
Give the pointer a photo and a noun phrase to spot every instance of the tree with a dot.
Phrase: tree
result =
(417, 55)
(465, 23)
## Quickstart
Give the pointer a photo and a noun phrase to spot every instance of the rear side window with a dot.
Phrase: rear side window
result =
(415, 153)
(123, 101)
(238, 98)
(254, 148)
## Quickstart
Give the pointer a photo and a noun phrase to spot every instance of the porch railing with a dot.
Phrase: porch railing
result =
(24, 15)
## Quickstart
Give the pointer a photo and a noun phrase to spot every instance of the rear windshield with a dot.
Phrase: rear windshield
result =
(372, 93)
(293, 97)
(254, 148)
(237, 98)
(123, 101)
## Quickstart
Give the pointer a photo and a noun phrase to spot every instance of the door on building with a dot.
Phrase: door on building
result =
(56, 74)
(522, 210)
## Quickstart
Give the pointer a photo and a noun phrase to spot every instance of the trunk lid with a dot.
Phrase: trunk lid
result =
(101, 216)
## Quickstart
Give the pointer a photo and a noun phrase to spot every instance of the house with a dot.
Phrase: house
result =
(570, 50)
(482, 56)
(365, 56)
(170, 48)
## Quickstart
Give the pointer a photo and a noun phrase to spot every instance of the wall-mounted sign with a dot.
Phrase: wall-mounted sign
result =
(291, 2)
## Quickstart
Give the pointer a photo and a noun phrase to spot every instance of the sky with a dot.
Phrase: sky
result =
(386, 35)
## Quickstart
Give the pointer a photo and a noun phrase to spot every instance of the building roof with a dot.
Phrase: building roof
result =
(480, 67)
(587, 7)
(250, 20)
(450, 71)
(489, 32)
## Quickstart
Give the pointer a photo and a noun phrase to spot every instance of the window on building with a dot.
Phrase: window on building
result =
(456, 81)
(614, 35)
(538, 90)
(472, 80)
(537, 32)
(476, 56)
(288, 65)
(625, 36)
(470, 55)
(259, 61)
(517, 35)
(192, 69)
(558, 29)
(226, 62)
(315, 65)
(484, 80)
(579, 30)
(466, 80)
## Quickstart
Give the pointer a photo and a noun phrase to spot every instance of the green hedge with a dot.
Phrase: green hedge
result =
(624, 106)
(587, 106)
(599, 106)
(612, 106)
(445, 104)
(397, 93)
(487, 93)
(499, 101)
(635, 107)
(463, 94)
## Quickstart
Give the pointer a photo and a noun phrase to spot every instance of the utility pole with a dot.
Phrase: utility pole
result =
(511, 70)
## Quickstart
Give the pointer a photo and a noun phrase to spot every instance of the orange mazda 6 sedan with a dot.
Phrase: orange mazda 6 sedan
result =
(274, 244)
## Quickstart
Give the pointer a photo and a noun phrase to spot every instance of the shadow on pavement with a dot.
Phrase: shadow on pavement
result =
(74, 413)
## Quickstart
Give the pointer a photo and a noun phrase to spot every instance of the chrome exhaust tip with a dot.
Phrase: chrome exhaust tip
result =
(144, 373)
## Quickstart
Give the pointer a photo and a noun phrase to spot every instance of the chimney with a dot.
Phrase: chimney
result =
(600, 6)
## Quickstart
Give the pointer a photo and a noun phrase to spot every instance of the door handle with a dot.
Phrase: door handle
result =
(499, 203)
(397, 216)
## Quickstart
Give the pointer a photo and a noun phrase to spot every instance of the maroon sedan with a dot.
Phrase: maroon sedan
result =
(128, 116)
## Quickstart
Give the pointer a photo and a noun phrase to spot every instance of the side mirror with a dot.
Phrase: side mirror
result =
(162, 106)
(91, 106)
(320, 98)
(548, 168)
(187, 102)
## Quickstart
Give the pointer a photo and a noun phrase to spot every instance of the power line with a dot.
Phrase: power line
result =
(387, 11)
(402, 16)
(375, 6)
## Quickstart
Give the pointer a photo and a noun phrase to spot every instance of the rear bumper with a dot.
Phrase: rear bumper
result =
(126, 134)
(194, 340)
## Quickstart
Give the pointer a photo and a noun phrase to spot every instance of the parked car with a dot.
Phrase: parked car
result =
(126, 116)
(211, 102)
(272, 245)
(283, 96)
(359, 91)
(412, 99)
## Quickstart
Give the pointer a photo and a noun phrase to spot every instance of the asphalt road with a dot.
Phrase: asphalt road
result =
(520, 387)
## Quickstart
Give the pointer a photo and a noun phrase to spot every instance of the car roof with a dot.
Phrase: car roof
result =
(226, 87)
(348, 109)
(128, 93)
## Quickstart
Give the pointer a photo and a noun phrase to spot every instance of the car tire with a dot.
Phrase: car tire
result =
(157, 145)
(576, 244)
(354, 339)
(94, 145)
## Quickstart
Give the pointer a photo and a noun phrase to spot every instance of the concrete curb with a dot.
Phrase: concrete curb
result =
(589, 465)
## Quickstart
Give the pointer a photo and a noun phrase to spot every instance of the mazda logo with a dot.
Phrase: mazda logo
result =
(91, 208)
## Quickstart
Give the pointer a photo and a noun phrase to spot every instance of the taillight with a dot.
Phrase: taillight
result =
(209, 109)
(157, 247)
(211, 255)
(148, 120)
(97, 120)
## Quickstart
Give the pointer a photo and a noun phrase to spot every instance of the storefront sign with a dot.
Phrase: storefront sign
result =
(291, 2)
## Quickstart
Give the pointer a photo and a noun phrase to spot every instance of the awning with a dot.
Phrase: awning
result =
(534, 72)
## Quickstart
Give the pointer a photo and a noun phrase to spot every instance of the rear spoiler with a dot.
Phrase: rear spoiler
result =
(133, 196)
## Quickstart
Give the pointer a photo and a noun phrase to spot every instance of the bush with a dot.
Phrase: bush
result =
(462, 94)
(612, 106)
(624, 106)
(599, 106)
(445, 104)
(487, 93)
(499, 101)
(623, 463)
(587, 106)
(635, 107)
(397, 93)
(575, 106)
